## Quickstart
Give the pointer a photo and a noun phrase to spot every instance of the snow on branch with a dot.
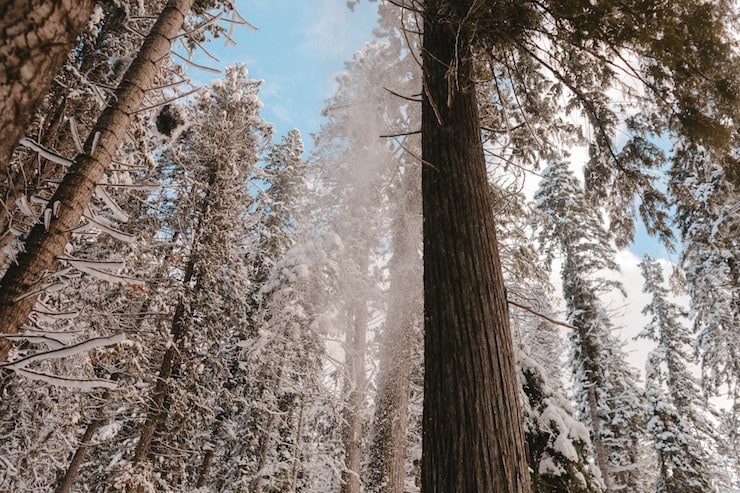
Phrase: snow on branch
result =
(195, 65)
(103, 270)
(72, 383)
(64, 352)
(24, 207)
(35, 339)
(112, 205)
(75, 134)
(45, 153)
(105, 226)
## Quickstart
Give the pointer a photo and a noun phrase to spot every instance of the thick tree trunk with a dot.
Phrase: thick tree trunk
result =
(77, 188)
(354, 384)
(35, 37)
(386, 470)
(472, 425)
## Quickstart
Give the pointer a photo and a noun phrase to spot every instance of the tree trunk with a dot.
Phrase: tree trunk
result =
(387, 471)
(354, 383)
(296, 448)
(170, 362)
(472, 424)
(77, 188)
(35, 37)
(65, 485)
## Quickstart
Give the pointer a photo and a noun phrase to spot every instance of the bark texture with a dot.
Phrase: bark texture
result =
(35, 37)
(472, 425)
(44, 244)
(387, 471)
(354, 385)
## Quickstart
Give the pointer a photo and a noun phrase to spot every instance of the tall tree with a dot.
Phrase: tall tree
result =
(558, 445)
(35, 38)
(679, 416)
(219, 154)
(472, 424)
(399, 338)
(606, 388)
(46, 242)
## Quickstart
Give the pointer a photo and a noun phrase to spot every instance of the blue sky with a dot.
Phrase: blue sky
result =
(297, 49)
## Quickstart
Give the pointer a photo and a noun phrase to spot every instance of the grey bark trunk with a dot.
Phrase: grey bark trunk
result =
(44, 245)
(473, 439)
(387, 471)
(354, 383)
(35, 37)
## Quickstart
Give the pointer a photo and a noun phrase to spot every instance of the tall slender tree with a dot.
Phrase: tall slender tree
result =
(606, 388)
(679, 416)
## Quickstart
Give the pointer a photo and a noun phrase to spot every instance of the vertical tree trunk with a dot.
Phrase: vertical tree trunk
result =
(354, 383)
(35, 37)
(65, 485)
(472, 425)
(170, 361)
(264, 449)
(296, 448)
(387, 470)
(77, 188)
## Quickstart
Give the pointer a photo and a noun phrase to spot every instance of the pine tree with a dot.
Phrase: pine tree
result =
(679, 416)
(559, 448)
(473, 439)
(48, 238)
(606, 387)
(219, 154)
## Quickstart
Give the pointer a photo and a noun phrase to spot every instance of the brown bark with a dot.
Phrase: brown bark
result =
(472, 425)
(386, 470)
(77, 188)
(170, 362)
(354, 360)
(35, 37)
(65, 485)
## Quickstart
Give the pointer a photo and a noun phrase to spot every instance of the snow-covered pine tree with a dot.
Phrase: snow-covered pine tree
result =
(606, 389)
(707, 199)
(559, 448)
(218, 153)
(356, 163)
(680, 421)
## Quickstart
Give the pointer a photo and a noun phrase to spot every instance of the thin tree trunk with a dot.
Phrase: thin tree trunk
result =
(65, 485)
(35, 38)
(297, 446)
(354, 361)
(77, 188)
(472, 424)
(598, 443)
(264, 449)
(589, 351)
(386, 470)
(207, 464)
(171, 360)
